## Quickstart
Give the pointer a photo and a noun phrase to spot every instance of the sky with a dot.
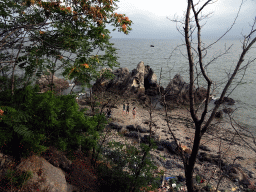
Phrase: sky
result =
(150, 18)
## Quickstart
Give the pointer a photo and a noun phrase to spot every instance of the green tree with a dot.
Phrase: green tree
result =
(36, 35)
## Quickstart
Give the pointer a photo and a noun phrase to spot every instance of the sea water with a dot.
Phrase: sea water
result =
(169, 57)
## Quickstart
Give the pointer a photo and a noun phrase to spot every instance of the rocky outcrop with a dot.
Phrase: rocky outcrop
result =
(177, 91)
(219, 114)
(225, 100)
(45, 80)
(139, 81)
(228, 110)
(57, 158)
(49, 177)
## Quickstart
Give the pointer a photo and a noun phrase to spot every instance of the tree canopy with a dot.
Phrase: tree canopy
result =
(36, 35)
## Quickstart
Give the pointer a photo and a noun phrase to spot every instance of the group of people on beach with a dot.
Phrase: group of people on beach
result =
(127, 108)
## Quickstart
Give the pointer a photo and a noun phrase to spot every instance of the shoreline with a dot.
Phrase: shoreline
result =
(221, 143)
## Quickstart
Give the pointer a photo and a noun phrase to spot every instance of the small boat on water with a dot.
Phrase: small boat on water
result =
(152, 46)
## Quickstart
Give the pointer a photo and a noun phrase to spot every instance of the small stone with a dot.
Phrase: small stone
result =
(228, 110)
(204, 148)
(160, 148)
(240, 158)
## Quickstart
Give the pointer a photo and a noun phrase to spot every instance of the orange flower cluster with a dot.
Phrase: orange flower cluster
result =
(85, 65)
(1, 113)
(124, 27)
(60, 57)
(66, 9)
(77, 69)
(124, 21)
(41, 32)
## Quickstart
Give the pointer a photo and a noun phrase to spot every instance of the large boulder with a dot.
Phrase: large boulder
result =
(177, 91)
(46, 79)
(45, 174)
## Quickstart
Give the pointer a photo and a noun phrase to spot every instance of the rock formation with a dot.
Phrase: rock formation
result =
(226, 100)
(177, 91)
(45, 80)
(47, 175)
(139, 81)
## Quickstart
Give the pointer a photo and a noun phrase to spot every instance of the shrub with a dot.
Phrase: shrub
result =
(16, 178)
(35, 121)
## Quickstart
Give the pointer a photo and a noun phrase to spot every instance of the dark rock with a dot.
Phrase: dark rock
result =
(131, 128)
(142, 97)
(228, 110)
(204, 148)
(160, 148)
(240, 158)
(139, 81)
(177, 91)
(226, 100)
(171, 146)
(141, 129)
(145, 139)
(181, 178)
(133, 134)
(115, 126)
(219, 114)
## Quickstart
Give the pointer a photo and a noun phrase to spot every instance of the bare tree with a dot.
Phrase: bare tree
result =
(197, 66)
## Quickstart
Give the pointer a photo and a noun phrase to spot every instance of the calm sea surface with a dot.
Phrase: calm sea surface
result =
(174, 61)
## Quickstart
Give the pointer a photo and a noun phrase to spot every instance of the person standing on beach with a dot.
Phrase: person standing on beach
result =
(127, 109)
(123, 108)
(134, 112)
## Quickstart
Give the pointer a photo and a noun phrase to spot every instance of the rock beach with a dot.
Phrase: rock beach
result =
(208, 157)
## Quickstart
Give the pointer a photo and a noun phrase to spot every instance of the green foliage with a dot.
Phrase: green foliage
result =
(17, 179)
(129, 157)
(59, 37)
(198, 178)
(39, 120)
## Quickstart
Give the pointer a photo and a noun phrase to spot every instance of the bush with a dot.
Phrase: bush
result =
(17, 179)
(121, 156)
(35, 121)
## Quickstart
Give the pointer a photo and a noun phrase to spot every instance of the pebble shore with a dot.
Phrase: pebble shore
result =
(218, 141)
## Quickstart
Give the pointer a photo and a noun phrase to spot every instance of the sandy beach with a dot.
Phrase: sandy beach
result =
(221, 143)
